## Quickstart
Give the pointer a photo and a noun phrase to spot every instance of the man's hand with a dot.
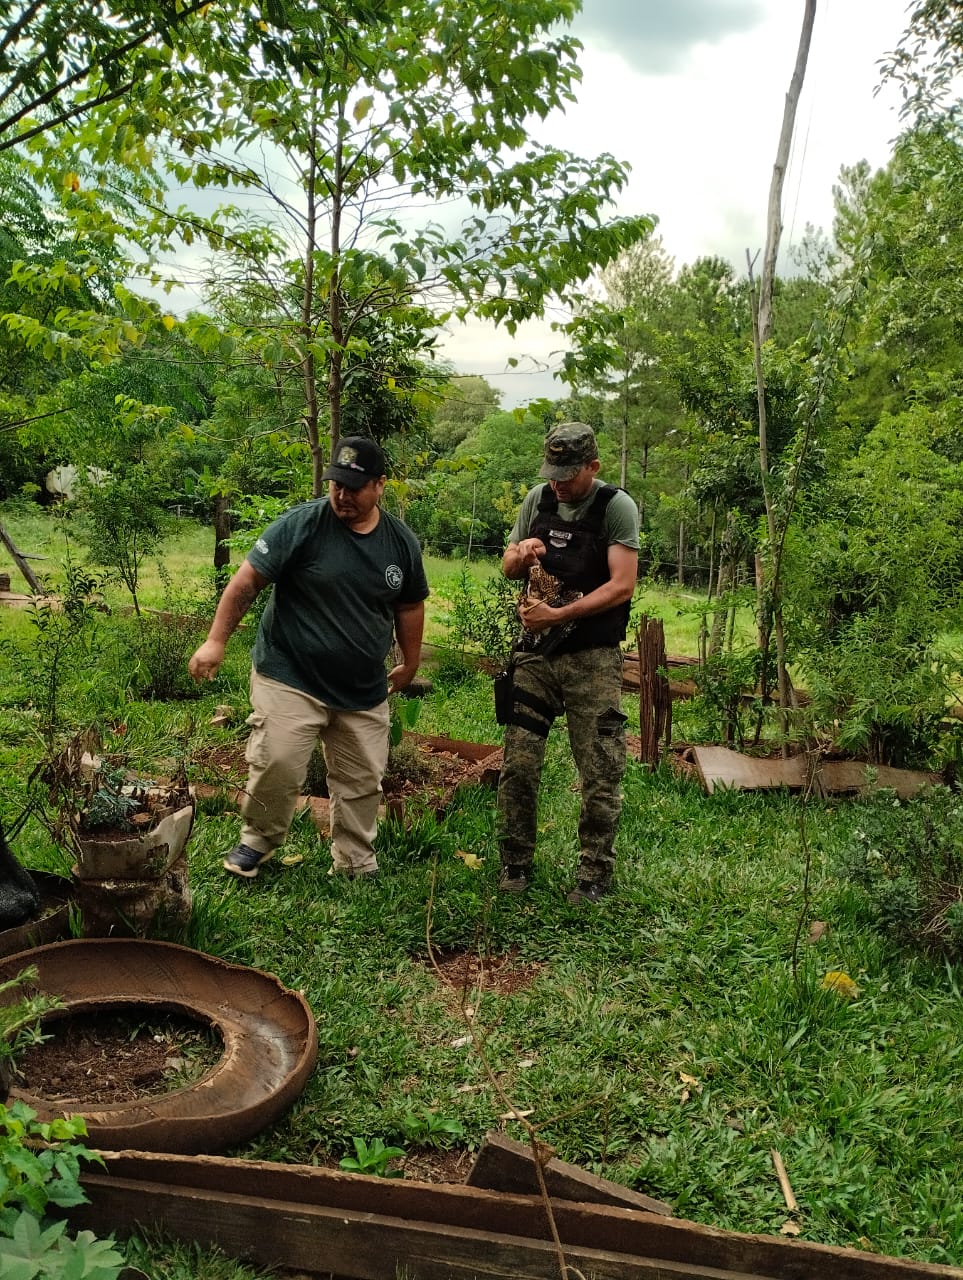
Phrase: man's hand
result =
(521, 556)
(206, 661)
(531, 551)
(401, 676)
(536, 615)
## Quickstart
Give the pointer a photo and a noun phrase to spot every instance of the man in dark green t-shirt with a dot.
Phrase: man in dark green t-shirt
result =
(348, 578)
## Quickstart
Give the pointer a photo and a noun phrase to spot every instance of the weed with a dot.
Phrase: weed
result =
(164, 641)
(405, 713)
(372, 1158)
(40, 1166)
(907, 859)
(430, 1129)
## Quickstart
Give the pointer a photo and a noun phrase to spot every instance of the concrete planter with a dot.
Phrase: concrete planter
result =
(135, 883)
(142, 855)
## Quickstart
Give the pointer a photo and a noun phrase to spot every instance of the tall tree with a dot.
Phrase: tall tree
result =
(615, 352)
(368, 130)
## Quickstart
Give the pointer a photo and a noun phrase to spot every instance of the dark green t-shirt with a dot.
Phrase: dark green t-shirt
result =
(329, 623)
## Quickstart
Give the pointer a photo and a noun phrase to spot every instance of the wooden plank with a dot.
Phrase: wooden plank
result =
(160, 1179)
(720, 767)
(853, 776)
(21, 562)
(362, 1246)
(502, 1164)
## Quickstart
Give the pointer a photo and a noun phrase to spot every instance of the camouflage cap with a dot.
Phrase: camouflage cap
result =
(567, 449)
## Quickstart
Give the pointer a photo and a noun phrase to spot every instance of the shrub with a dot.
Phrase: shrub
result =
(161, 644)
(723, 681)
(908, 859)
(483, 618)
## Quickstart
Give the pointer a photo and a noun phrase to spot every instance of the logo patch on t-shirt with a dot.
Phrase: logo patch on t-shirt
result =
(262, 546)
(394, 576)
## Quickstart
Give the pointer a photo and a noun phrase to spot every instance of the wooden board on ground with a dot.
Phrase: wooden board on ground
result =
(320, 1222)
(677, 669)
(502, 1164)
(16, 599)
(840, 776)
(721, 767)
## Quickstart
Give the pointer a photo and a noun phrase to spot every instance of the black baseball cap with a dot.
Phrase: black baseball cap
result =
(356, 461)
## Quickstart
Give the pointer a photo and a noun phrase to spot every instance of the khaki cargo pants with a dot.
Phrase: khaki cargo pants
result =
(285, 725)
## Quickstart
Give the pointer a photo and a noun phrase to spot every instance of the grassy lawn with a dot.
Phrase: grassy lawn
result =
(671, 1037)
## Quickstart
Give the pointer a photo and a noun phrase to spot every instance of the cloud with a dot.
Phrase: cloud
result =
(656, 38)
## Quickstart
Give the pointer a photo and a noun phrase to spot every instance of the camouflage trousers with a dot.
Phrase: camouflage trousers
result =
(585, 687)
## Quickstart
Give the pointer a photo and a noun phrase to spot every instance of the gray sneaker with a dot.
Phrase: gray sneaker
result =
(245, 861)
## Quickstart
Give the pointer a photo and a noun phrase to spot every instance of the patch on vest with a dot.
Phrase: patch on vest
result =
(394, 576)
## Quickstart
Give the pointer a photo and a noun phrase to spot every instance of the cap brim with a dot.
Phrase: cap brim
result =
(347, 478)
(548, 472)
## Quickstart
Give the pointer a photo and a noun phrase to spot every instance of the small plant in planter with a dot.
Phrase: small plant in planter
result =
(117, 824)
(128, 835)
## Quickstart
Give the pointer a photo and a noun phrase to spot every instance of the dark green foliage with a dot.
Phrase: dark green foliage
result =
(430, 1129)
(163, 641)
(725, 705)
(483, 619)
(908, 859)
(110, 805)
(872, 586)
(163, 644)
(316, 778)
(125, 522)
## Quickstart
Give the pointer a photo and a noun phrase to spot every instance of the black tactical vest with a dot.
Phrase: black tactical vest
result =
(577, 554)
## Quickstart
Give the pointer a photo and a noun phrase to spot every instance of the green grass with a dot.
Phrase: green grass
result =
(673, 1036)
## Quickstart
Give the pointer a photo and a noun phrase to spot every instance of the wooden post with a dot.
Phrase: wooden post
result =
(222, 531)
(655, 698)
(21, 562)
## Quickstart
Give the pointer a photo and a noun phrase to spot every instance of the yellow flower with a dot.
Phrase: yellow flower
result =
(841, 983)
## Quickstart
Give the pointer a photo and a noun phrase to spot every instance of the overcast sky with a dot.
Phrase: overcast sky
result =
(691, 94)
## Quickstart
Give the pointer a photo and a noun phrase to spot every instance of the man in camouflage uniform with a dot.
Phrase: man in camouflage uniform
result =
(576, 543)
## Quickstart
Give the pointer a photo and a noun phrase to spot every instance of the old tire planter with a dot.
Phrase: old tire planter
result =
(268, 1033)
(56, 895)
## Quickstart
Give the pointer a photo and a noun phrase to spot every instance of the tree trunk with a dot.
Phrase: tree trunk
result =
(222, 531)
(768, 592)
(624, 450)
(335, 316)
(308, 369)
(680, 552)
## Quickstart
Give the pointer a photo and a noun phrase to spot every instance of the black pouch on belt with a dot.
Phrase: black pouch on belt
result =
(504, 683)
